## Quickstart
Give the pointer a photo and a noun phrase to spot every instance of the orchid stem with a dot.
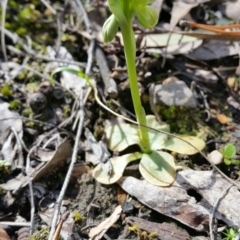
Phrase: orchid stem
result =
(130, 54)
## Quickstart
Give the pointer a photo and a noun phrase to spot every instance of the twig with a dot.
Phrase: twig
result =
(80, 6)
(16, 224)
(47, 5)
(214, 209)
(70, 169)
(4, 9)
(90, 57)
(109, 83)
(59, 227)
(20, 144)
(31, 191)
(59, 27)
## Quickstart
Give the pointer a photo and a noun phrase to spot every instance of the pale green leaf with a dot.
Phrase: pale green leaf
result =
(147, 16)
(118, 166)
(158, 168)
(121, 136)
(156, 139)
(182, 147)
(110, 29)
(124, 135)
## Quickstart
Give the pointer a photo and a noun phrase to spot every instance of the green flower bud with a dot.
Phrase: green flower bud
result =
(110, 29)
(147, 16)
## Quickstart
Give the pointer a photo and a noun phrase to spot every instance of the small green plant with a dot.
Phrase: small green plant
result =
(6, 90)
(156, 166)
(4, 166)
(230, 234)
(229, 152)
(77, 216)
(14, 105)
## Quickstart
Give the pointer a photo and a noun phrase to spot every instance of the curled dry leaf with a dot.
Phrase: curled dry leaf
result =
(62, 153)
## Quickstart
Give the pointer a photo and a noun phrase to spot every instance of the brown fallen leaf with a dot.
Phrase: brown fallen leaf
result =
(4, 235)
(79, 170)
(121, 196)
(175, 202)
(223, 119)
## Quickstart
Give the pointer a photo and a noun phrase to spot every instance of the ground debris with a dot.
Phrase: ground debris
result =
(190, 199)
(163, 231)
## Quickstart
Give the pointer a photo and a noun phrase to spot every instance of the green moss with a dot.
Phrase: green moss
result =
(14, 105)
(6, 90)
(40, 235)
(78, 217)
(27, 112)
(66, 111)
(181, 119)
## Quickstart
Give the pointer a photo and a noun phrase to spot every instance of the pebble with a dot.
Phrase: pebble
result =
(174, 92)
(215, 157)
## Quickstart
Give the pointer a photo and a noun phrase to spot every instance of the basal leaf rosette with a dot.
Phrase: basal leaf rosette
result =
(157, 167)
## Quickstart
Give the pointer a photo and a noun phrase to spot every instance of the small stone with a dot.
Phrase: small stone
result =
(215, 157)
(127, 207)
(173, 92)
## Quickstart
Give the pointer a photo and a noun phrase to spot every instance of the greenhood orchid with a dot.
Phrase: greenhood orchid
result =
(156, 166)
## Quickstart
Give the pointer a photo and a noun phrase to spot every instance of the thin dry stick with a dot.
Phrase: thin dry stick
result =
(47, 5)
(4, 8)
(87, 23)
(59, 227)
(214, 209)
(70, 169)
(15, 224)
(31, 191)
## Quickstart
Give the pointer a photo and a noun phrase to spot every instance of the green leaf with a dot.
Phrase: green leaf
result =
(158, 168)
(227, 161)
(235, 162)
(134, 3)
(182, 147)
(147, 16)
(156, 139)
(121, 136)
(110, 29)
(116, 9)
(118, 166)
(229, 151)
